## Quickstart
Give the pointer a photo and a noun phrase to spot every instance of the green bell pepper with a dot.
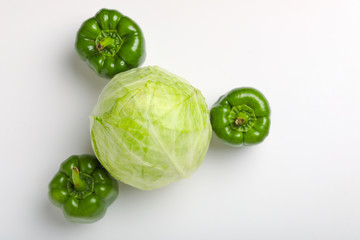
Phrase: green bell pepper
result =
(241, 117)
(83, 189)
(110, 43)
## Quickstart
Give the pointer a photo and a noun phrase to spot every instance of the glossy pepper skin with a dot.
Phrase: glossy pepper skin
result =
(241, 117)
(83, 189)
(110, 43)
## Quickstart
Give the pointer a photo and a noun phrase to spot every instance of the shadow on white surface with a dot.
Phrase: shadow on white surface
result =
(82, 87)
(219, 147)
(85, 76)
(84, 73)
(54, 216)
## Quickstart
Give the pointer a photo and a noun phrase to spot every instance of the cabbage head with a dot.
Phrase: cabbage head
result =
(150, 128)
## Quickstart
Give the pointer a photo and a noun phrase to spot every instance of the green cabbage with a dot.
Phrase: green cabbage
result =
(150, 128)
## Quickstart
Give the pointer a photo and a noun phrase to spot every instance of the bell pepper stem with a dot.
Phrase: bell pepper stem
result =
(79, 183)
(241, 118)
(108, 41)
(239, 121)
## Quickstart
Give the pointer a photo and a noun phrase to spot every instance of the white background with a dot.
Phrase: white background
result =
(302, 182)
